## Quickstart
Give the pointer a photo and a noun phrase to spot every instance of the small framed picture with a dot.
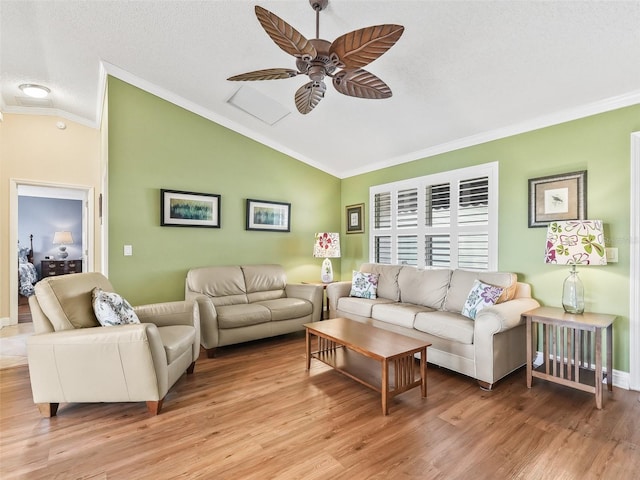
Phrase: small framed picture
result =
(268, 216)
(189, 209)
(355, 218)
(557, 197)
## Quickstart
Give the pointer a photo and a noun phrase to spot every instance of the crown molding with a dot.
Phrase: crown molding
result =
(587, 110)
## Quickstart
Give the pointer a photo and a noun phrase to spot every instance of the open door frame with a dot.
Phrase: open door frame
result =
(87, 227)
(634, 266)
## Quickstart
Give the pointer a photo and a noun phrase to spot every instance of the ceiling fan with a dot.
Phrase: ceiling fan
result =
(341, 60)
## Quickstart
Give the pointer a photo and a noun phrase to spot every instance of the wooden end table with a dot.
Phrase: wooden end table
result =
(364, 353)
(571, 343)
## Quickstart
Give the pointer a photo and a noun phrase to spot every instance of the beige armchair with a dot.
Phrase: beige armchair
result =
(74, 359)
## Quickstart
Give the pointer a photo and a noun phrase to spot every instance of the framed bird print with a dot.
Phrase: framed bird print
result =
(557, 197)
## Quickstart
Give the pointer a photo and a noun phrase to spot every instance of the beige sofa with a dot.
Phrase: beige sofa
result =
(240, 303)
(427, 304)
(74, 359)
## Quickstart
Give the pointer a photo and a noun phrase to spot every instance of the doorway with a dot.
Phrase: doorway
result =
(56, 207)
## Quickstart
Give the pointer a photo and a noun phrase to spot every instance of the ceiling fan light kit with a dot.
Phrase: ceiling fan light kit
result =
(342, 60)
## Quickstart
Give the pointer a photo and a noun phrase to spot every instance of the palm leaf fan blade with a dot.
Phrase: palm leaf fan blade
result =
(309, 95)
(361, 84)
(266, 74)
(359, 48)
(284, 35)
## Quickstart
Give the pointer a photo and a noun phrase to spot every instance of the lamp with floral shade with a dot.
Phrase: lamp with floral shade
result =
(575, 242)
(327, 245)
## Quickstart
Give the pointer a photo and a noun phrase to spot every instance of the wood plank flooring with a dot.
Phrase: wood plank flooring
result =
(24, 312)
(254, 413)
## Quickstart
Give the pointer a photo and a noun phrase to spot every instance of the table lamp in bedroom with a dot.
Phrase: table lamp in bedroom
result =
(62, 239)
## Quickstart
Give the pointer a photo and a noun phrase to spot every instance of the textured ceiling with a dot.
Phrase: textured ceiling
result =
(462, 73)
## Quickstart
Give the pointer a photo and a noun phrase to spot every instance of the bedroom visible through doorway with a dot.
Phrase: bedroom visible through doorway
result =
(51, 230)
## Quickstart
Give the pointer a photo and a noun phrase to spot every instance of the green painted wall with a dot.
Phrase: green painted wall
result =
(154, 144)
(599, 144)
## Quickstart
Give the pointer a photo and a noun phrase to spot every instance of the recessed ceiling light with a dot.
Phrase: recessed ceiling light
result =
(35, 91)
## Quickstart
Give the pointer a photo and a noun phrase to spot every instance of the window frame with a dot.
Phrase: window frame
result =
(453, 178)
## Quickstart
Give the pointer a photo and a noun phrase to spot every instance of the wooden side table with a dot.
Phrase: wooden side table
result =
(571, 343)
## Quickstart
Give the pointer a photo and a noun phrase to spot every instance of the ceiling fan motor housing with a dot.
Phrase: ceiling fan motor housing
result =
(319, 66)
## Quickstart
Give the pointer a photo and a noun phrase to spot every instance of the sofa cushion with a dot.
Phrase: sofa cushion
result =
(462, 281)
(481, 295)
(111, 309)
(176, 340)
(424, 287)
(242, 315)
(364, 285)
(401, 314)
(447, 325)
(224, 284)
(387, 279)
(287, 308)
(264, 282)
(359, 306)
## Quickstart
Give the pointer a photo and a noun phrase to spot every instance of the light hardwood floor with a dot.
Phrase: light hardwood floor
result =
(253, 412)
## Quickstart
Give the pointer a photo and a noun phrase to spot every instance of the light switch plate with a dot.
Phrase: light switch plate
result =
(128, 250)
(612, 254)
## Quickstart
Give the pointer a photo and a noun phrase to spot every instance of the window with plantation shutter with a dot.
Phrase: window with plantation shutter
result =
(445, 220)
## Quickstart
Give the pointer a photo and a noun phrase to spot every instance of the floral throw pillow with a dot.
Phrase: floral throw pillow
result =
(364, 285)
(481, 295)
(111, 309)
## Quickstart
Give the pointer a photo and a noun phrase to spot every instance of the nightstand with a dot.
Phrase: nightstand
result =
(54, 268)
(571, 349)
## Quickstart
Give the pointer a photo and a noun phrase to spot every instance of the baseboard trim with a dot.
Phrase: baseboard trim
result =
(620, 378)
(5, 322)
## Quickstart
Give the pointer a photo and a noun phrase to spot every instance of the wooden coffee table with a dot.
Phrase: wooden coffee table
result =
(364, 353)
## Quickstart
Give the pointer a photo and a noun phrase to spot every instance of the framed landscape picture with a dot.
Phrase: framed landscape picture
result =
(189, 209)
(557, 197)
(355, 218)
(268, 216)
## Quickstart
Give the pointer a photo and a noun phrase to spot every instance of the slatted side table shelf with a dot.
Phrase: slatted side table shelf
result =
(571, 349)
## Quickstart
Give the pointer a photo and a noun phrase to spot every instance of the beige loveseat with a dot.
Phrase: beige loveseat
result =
(240, 303)
(427, 304)
(74, 359)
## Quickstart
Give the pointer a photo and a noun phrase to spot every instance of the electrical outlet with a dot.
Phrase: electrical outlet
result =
(611, 254)
(128, 250)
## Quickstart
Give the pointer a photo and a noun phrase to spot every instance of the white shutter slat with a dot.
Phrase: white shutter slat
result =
(407, 216)
(408, 250)
(473, 202)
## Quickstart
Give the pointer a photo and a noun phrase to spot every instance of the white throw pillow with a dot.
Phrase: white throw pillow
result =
(111, 309)
(364, 285)
(481, 295)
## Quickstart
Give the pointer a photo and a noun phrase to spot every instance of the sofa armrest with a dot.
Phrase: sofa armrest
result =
(118, 364)
(173, 313)
(335, 291)
(209, 337)
(168, 313)
(499, 339)
(310, 292)
(503, 316)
